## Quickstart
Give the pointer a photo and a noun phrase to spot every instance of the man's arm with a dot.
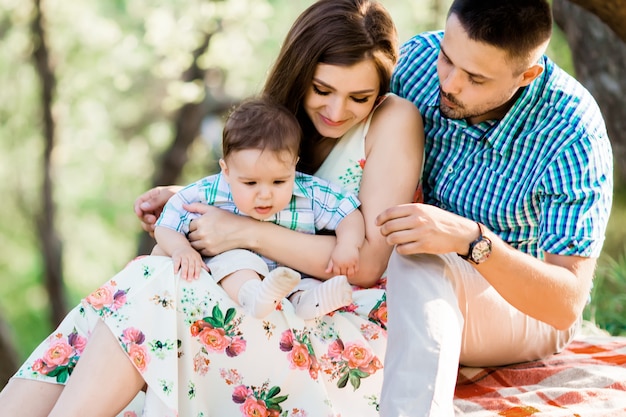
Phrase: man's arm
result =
(554, 291)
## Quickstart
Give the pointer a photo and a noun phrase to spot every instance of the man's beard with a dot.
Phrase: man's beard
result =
(458, 112)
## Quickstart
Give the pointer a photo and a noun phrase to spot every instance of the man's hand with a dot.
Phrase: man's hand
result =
(422, 228)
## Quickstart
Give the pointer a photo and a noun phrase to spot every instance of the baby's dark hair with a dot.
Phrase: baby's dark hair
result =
(260, 123)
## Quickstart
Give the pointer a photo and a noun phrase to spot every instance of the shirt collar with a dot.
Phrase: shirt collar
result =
(508, 128)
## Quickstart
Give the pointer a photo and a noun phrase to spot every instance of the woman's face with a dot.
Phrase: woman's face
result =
(340, 97)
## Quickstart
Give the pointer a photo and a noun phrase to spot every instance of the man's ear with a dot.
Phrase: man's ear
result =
(531, 74)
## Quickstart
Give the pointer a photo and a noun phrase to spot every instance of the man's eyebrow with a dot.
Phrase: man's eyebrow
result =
(330, 87)
(471, 74)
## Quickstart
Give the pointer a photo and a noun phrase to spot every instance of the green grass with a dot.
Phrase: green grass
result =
(608, 297)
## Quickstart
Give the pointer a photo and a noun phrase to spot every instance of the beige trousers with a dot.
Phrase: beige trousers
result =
(442, 312)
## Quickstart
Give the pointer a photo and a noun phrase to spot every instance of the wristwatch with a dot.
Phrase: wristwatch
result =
(480, 249)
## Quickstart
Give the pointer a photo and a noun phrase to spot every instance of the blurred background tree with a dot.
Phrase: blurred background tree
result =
(101, 100)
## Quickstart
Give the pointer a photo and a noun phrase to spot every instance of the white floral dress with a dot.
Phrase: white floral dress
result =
(202, 356)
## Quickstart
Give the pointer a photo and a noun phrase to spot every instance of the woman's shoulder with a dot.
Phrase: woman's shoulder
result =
(394, 106)
(395, 114)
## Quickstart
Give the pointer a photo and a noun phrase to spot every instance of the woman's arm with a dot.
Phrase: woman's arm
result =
(217, 231)
(149, 205)
(394, 152)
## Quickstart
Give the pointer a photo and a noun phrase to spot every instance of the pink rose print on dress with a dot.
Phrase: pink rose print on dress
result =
(220, 332)
(132, 340)
(60, 358)
(259, 401)
(351, 362)
(378, 314)
(106, 299)
(300, 351)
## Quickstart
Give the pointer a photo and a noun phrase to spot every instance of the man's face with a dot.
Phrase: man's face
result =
(476, 79)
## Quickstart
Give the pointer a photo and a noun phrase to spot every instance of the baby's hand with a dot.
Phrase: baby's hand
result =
(344, 261)
(189, 262)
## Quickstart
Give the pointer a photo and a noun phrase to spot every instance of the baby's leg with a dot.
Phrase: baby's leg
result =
(260, 297)
(315, 298)
(239, 272)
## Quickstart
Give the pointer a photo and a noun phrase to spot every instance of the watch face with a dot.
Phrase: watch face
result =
(481, 251)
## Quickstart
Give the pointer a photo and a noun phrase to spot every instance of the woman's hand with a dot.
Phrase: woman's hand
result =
(149, 205)
(218, 230)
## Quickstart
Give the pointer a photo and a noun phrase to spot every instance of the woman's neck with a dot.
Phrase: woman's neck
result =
(313, 153)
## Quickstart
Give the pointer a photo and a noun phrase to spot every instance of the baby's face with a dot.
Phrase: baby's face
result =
(261, 182)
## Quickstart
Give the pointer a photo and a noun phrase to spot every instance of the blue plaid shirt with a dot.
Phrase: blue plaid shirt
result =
(315, 205)
(541, 178)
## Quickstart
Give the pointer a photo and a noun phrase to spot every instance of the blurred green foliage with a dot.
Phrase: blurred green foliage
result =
(119, 66)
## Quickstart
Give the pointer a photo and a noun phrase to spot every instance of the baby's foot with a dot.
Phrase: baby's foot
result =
(260, 299)
(330, 295)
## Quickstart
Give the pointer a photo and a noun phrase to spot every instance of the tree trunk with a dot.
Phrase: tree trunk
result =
(48, 236)
(611, 12)
(8, 355)
(187, 123)
(600, 62)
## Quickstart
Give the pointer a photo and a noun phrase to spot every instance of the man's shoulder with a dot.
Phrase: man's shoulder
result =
(422, 45)
(425, 39)
(415, 76)
(565, 95)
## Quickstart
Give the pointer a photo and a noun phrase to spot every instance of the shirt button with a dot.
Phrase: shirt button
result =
(450, 170)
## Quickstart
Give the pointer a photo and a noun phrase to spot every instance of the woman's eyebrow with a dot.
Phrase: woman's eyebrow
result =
(330, 87)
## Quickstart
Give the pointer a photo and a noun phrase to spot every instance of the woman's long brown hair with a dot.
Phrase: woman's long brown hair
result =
(334, 32)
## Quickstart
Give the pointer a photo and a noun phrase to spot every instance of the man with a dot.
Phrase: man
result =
(496, 266)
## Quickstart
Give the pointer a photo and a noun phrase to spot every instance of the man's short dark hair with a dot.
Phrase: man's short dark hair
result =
(516, 26)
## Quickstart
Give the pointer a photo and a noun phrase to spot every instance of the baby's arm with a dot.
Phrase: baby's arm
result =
(350, 232)
(184, 257)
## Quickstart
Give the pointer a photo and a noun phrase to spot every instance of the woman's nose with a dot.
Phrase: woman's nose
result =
(336, 109)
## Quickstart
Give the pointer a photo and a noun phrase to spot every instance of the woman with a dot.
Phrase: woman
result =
(190, 347)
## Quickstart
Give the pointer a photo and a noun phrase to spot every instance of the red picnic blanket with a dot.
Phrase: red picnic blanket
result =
(588, 379)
